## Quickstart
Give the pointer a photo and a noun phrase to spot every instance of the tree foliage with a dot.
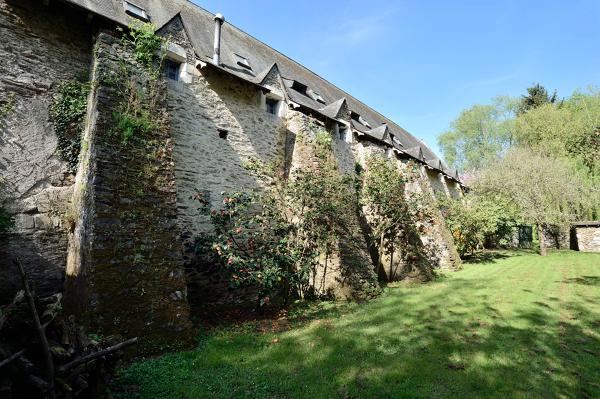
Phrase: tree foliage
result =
(536, 96)
(547, 191)
(472, 219)
(480, 134)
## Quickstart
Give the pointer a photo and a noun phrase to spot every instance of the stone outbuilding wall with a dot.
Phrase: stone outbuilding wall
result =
(586, 236)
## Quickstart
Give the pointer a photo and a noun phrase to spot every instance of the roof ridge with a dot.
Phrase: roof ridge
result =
(347, 95)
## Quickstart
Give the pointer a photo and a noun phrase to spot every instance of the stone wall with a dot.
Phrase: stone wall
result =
(39, 47)
(125, 271)
(556, 237)
(588, 238)
(217, 124)
(348, 273)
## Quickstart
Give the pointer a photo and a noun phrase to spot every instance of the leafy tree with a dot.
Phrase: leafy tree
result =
(479, 135)
(547, 191)
(536, 96)
(473, 218)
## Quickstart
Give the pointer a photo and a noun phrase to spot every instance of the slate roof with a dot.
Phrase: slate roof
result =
(199, 25)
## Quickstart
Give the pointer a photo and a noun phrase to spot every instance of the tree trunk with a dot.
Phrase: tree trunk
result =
(542, 240)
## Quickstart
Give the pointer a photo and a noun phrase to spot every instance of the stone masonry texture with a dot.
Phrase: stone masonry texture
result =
(125, 273)
(120, 233)
(39, 48)
(588, 238)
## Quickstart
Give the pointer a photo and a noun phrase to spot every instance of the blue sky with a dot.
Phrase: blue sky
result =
(421, 62)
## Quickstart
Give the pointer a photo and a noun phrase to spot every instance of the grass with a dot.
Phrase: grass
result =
(511, 326)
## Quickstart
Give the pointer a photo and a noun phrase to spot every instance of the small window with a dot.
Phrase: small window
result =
(172, 69)
(299, 87)
(342, 131)
(223, 133)
(272, 106)
(242, 61)
(135, 11)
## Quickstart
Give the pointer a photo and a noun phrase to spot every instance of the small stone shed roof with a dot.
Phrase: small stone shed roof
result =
(593, 223)
(199, 25)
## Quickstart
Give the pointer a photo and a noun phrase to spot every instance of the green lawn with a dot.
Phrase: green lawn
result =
(517, 326)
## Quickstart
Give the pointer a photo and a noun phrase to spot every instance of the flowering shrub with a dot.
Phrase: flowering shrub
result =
(394, 213)
(272, 240)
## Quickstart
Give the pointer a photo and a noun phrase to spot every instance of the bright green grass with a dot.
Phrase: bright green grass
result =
(514, 327)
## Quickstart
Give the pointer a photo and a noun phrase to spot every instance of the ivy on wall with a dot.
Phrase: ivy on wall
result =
(7, 222)
(67, 112)
(137, 115)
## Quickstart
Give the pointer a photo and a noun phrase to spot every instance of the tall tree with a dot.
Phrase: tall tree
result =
(536, 96)
(547, 191)
(480, 134)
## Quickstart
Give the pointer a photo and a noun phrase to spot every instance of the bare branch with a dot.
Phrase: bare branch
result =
(40, 330)
(11, 358)
(92, 356)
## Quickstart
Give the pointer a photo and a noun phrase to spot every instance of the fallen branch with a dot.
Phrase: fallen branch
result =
(11, 358)
(41, 332)
(66, 367)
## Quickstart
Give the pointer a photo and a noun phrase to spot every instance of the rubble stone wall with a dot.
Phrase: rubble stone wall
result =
(39, 48)
(588, 238)
(125, 272)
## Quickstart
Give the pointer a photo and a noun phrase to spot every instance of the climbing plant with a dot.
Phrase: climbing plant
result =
(7, 222)
(138, 115)
(67, 112)
(275, 239)
(394, 213)
(147, 45)
(6, 107)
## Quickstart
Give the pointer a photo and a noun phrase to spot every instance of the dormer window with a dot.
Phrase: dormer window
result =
(242, 61)
(299, 87)
(356, 117)
(135, 11)
(315, 96)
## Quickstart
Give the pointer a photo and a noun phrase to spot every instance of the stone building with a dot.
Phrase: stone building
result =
(585, 236)
(115, 236)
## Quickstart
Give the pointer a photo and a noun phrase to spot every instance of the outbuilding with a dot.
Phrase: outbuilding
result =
(585, 236)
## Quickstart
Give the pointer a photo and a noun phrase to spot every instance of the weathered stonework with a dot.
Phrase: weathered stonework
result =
(39, 48)
(129, 215)
(587, 236)
(555, 237)
(348, 273)
(125, 270)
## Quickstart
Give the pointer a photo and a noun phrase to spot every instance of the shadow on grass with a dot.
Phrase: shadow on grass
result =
(584, 280)
(438, 344)
(492, 256)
